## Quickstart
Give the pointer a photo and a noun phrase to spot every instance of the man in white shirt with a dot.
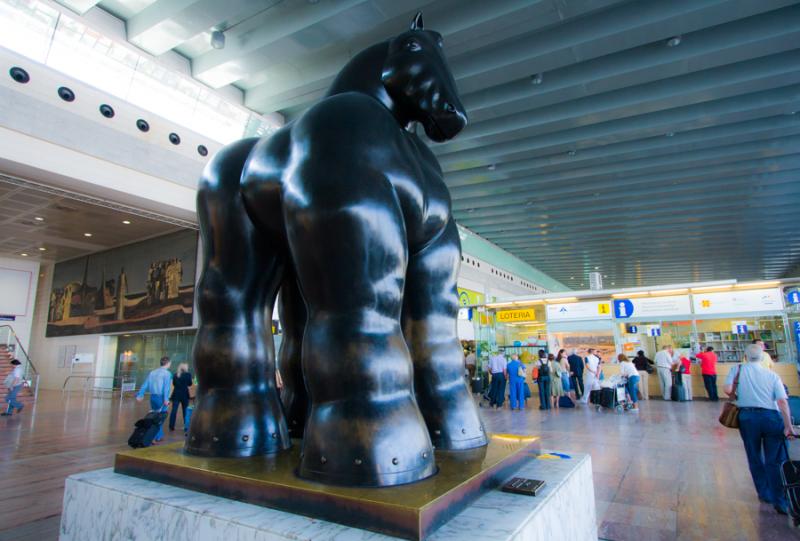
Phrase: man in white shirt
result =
(664, 363)
(14, 382)
(497, 389)
(591, 377)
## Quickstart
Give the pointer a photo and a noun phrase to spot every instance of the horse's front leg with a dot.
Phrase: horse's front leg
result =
(429, 323)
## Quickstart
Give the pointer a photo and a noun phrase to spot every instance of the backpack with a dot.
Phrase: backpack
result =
(544, 369)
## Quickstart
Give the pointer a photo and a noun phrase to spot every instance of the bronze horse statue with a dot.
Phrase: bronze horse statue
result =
(345, 212)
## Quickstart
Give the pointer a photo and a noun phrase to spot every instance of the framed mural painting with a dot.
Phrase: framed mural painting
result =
(141, 286)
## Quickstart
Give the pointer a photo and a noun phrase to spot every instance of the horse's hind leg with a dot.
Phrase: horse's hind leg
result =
(293, 321)
(238, 412)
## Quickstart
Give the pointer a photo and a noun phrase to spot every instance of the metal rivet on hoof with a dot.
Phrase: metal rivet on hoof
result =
(395, 461)
(437, 432)
(245, 437)
(463, 430)
(214, 438)
(480, 428)
(294, 421)
(194, 438)
(274, 435)
(425, 454)
(357, 461)
(323, 460)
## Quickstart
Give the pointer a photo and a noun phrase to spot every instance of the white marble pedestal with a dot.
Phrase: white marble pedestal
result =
(103, 505)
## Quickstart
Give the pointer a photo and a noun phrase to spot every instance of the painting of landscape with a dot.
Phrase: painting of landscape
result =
(142, 286)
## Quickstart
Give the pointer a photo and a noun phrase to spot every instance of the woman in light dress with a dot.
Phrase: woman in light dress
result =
(556, 389)
(561, 359)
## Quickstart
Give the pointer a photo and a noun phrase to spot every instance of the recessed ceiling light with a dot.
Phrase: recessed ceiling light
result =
(491, 166)
(87, 234)
(126, 222)
(42, 249)
(670, 134)
(597, 268)
(571, 277)
(470, 210)
(24, 254)
(38, 218)
(674, 41)
(612, 283)
(537, 79)
(571, 153)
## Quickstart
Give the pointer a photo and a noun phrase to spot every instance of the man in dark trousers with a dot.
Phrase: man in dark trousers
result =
(576, 372)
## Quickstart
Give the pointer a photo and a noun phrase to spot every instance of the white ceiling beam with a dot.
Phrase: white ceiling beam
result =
(166, 24)
(220, 67)
(79, 6)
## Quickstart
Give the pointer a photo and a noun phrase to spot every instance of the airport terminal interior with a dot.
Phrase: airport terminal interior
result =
(399, 269)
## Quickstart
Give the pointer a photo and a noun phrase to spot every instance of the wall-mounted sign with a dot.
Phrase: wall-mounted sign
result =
(654, 330)
(579, 310)
(755, 300)
(8, 318)
(468, 297)
(739, 327)
(793, 297)
(511, 316)
(677, 305)
(632, 329)
(465, 313)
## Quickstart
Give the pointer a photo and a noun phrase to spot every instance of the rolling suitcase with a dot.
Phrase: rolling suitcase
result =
(608, 397)
(565, 402)
(146, 429)
(678, 391)
(476, 384)
(790, 475)
(594, 397)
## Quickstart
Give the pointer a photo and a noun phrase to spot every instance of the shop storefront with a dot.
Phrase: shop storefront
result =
(727, 318)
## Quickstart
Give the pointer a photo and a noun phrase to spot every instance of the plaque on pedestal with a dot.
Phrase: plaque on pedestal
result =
(411, 511)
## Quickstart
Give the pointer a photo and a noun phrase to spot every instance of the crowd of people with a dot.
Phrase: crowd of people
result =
(764, 414)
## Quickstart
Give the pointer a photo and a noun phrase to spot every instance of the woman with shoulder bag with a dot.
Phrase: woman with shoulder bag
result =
(181, 382)
(764, 424)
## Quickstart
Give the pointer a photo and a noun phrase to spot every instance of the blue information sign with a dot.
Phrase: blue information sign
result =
(797, 337)
(654, 331)
(793, 297)
(623, 308)
(633, 329)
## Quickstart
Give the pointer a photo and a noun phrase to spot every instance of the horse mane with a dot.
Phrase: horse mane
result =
(363, 74)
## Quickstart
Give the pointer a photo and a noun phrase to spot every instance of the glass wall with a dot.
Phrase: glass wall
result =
(651, 336)
(138, 354)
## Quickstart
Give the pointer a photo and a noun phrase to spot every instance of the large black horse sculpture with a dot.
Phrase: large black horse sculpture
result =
(345, 212)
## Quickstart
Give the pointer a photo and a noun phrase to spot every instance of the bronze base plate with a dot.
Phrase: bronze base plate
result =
(411, 511)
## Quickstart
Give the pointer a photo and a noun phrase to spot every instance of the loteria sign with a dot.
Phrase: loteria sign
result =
(512, 316)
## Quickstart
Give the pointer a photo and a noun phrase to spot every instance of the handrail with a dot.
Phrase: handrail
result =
(21, 347)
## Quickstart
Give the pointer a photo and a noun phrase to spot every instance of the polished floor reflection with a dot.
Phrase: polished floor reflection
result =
(670, 472)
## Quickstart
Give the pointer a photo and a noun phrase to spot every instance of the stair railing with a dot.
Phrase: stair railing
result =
(17, 350)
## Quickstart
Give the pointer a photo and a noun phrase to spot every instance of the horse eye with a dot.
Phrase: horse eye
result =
(412, 45)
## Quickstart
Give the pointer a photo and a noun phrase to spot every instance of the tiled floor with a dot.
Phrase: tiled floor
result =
(670, 472)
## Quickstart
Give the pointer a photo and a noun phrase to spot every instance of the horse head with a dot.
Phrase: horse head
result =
(417, 78)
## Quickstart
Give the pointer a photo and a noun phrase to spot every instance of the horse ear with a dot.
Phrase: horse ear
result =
(416, 24)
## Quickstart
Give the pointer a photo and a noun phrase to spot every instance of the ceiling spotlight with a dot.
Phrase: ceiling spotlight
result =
(571, 153)
(491, 166)
(670, 134)
(218, 39)
(537, 79)
(126, 222)
(571, 277)
(613, 283)
(23, 254)
(38, 218)
(42, 249)
(529, 204)
(674, 41)
(597, 268)
(87, 234)
(470, 210)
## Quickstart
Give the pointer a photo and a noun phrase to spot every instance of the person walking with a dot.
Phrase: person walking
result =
(516, 383)
(556, 388)
(576, 372)
(497, 387)
(664, 365)
(591, 375)
(181, 382)
(644, 367)
(544, 381)
(158, 383)
(628, 370)
(14, 382)
(708, 368)
(469, 361)
(764, 424)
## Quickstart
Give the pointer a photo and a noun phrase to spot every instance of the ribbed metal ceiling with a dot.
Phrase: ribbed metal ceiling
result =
(653, 163)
